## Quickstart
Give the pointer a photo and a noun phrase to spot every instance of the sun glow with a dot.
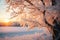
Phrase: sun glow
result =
(4, 17)
(6, 20)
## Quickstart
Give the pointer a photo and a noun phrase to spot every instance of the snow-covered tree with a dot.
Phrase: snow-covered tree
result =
(40, 13)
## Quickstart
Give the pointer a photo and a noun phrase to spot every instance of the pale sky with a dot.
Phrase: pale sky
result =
(3, 14)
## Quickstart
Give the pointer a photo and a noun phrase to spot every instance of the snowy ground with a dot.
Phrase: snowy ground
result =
(20, 33)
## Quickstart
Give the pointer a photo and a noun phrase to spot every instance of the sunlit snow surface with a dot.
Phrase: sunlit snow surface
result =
(20, 33)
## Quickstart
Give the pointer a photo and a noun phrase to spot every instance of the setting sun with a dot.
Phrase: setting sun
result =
(4, 17)
(6, 20)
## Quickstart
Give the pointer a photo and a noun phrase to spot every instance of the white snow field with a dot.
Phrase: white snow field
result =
(20, 33)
